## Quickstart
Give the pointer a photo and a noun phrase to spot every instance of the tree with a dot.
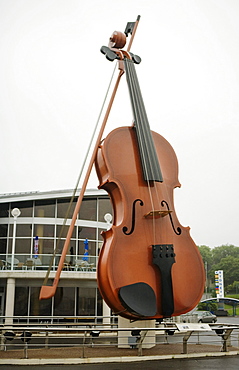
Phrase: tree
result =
(229, 265)
(224, 251)
(206, 254)
(233, 288)
(224, 257)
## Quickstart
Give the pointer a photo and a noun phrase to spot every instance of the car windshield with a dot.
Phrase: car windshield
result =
(203, 313)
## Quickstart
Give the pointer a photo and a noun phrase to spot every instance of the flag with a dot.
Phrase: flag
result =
(36, 244)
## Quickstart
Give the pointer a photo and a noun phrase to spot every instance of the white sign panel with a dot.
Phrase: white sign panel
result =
(193, 327)
(219, 283)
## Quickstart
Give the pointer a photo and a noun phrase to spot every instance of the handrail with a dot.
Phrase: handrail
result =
(41, 263)
(47, 333)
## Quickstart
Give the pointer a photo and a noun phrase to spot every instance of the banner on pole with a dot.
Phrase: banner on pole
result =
(36, 247)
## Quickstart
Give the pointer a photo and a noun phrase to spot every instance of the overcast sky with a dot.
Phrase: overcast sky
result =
(53, 80)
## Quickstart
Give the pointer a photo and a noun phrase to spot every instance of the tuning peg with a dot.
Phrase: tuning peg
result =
(136, 59)
(110, 55)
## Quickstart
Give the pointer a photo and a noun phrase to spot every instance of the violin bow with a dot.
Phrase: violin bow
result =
(48, 291)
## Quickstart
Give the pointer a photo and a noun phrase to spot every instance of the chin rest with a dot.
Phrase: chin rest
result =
(139, 299)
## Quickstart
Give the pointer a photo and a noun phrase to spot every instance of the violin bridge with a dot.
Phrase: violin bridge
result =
(157, 214)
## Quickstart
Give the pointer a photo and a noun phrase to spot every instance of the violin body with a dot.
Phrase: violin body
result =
(149, 266)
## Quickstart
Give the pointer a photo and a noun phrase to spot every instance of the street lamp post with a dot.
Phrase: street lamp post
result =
(15, 213)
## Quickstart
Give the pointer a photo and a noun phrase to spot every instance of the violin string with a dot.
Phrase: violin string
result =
(140, 119)
(151, 167)
(145, 131)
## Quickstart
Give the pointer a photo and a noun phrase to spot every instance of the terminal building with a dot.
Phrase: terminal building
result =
(33, 228)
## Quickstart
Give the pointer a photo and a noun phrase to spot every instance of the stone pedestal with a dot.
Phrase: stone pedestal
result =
(126, 340)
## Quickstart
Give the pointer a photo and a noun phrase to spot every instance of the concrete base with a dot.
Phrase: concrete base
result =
(126, 340)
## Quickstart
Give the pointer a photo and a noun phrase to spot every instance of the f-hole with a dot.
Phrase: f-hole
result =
(125, 228)
(177, 231)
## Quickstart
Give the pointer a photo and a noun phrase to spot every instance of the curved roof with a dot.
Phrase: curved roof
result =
(227, 300)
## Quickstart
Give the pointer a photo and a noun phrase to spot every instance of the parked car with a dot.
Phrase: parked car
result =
(205, 316)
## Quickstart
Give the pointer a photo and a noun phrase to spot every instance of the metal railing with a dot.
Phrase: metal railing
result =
(58, 320)
(25, 262)
(84, 334)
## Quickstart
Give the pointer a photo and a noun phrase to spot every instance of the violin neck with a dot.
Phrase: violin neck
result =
(149, 159)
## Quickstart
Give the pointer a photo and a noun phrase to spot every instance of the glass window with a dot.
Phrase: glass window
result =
(46, 260)
(45, 208)
(88, 210)
(3, 230)
(99, 304)
(3, 246)
(86, 301)
(37, 307)
(64, 301)
(25, 208)
(21, 246)
(64, 209)
(23, 230)
(60, 245)
(62, 230)
(46, 246)
(87, 232)
(104, 207)
(46, 231)
(21, 301)
(4, 208)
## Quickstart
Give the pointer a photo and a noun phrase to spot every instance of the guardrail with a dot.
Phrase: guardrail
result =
(58, 320)
(85, 335)
(26, 262)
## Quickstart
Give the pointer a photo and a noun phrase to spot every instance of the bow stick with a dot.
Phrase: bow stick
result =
(48, 291)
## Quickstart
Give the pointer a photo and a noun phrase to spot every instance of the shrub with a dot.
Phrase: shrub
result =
(207, 306)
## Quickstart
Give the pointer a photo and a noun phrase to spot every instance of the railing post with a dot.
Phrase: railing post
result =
(25, 350)
(2, 344)
(140, 352)
(47, 340)
(185, 341)
(226, 338)
(83, 346)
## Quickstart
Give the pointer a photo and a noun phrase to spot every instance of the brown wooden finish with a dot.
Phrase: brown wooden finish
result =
(149, 266)
(127, 259)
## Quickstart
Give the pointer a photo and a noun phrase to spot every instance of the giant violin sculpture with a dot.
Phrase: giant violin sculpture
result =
(149, 267)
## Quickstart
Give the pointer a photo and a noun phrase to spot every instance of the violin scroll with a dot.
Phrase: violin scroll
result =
(117, 40)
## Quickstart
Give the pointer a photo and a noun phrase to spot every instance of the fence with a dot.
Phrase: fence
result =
(84, 334)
